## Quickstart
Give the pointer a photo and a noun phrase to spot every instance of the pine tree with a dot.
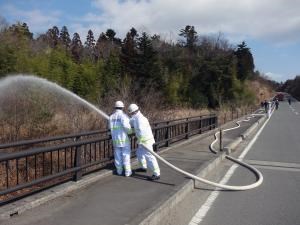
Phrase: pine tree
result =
(90, 40)
(110, 34)
(245, 61)
(90, 45)
(147, 61)
(76, 47)
(133, 33)
(53, 36)
(129, 56)
(190, 35)
(65, 37)
(100, 49)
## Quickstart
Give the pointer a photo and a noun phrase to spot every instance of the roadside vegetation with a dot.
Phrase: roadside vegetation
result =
(194, 75)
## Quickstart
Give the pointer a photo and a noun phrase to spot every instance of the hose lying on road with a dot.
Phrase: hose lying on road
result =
(228, 187)
(232, 128)
(258, 174)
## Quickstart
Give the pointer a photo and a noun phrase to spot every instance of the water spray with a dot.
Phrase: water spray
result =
(31, 79)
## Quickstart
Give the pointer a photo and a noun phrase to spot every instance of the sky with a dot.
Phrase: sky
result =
(271, 28)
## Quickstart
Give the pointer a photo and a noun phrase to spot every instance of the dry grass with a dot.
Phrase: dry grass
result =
(261, 90)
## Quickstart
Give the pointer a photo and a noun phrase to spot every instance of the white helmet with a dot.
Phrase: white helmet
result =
(119, 104)
(132, 108)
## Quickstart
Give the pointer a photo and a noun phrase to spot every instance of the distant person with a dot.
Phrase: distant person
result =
(276, 104)
(266, 105)
(144, 136)
(290, 101)
(120, 127)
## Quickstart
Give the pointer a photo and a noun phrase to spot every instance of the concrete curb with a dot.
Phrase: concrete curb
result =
(230, 147)
(252, 128)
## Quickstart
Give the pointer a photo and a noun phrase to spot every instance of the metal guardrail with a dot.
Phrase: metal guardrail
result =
(62, 138)
(56, 139)
(233, 114)
(37, 168)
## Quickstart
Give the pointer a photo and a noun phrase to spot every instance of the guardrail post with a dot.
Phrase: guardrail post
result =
(187, 128)
(221, 136)
(167, 136)
(77, 163)
(216, 121)
(200, 125)
(155, 146)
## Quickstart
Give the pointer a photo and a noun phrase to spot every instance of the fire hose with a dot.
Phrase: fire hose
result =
(258, 174)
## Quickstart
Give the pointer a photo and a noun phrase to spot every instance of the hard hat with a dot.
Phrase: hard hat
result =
(132, 108)
(119, 104)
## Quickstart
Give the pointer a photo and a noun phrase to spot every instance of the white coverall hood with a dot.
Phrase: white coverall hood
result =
(142, 129)
(120, 127)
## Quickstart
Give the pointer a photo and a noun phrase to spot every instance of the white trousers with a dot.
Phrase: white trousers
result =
(122, 160)
(269, 112)
(145, 158)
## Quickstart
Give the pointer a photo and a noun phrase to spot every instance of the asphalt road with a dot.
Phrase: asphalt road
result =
(276, 153)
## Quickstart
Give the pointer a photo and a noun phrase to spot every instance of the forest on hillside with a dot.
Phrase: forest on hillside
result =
(194, 72)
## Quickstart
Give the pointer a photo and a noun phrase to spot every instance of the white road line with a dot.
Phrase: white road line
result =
(201, 213)
(273, 163)
(277, 168)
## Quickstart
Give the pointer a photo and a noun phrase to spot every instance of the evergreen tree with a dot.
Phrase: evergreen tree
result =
(147, 62)
(90, 45)
(76, 47)
(90, 40)
(65, 37)
(100, 49)
(53, 36)
(8, 59)
(110, 34)
(21, 29)
(133, 33)
(111, 77)
(129, 56)
(244, 61)
(190, 35)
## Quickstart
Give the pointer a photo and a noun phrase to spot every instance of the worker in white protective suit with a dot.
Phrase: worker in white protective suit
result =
(144, 136)
(120, 128)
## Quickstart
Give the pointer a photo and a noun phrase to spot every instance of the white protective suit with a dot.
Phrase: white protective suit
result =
(144, 135)
(120, 127)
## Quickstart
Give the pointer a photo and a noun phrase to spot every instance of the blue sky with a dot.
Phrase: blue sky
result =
(271, 28)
